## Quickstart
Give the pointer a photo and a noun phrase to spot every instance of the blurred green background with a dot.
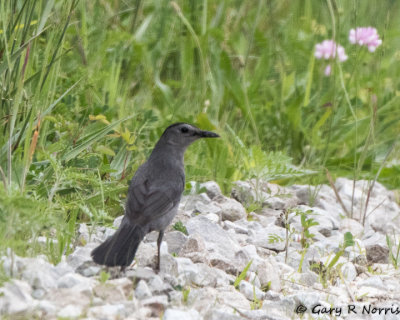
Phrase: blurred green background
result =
(87, 87)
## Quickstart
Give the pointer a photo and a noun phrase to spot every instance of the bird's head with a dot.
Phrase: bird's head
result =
(183, 134)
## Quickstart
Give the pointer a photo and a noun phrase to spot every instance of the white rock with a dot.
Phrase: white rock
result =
(306, 195)
(70, 311)
(252, 277)
(250, 291)
(247, 253)
(212, 189)
(349, 271)
(70, 280)
(46, 308)
(161, 301)
(83, 234)
(218, 261)
(330, 244)
(107, 311)
(325, 219)
(38, 293)
(176, 314)
(142, 290)
(230, 297)
(268, 273)
(222, 314)
(194, 243)
(236, 227)
(158, 286)
(90, 271)
(353, 226)
(12, 264)
(175, 241)
(308, 299)
(63, 268)
(80, 256)
(189, 203)
(140, 273)
(15, 298)
(40, 274)
(124, 283)
(345, 189)
(272, 238)
(376, 248)
(384, 218)
(208, 277)
(169, 265)
(308, 278)
(117, 221)
(201, 207)
(275, 203)
(146, 255)
(243, 192)
(109, 293)
(231, 209)
(77, 295)
(374, 282)
(212, 217)
(215, 238)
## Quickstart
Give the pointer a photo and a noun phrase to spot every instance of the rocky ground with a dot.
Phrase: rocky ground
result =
(213, 241)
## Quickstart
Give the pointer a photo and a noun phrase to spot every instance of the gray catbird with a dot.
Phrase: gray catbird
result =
(153, 196)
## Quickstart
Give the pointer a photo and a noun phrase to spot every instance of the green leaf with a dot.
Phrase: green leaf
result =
(105, 150)
(348, 240)
(335, 258)
(16, 54)
(242, 275)
(90, 139)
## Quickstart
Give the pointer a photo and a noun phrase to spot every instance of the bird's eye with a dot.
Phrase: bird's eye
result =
(184, 129)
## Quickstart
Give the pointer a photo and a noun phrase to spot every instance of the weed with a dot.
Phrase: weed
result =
(330, 270)
(185, 295)
(256, 303)
(104, 276)
(242, 275)
(179, 226)
(394, 251)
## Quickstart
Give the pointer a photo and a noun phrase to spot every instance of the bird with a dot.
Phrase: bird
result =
(153, 196)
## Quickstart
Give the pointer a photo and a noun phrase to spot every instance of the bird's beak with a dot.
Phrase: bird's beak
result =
(207, 134)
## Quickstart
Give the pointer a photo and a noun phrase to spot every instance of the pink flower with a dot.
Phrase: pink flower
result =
(365, 37)
(328, 70)
(327, 49)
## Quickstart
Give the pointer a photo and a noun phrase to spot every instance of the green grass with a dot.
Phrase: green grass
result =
(87, 87)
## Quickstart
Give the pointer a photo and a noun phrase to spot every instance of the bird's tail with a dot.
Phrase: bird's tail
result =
(120, 248)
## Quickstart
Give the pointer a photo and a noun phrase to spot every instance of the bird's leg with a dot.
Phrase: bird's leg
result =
(159, 240)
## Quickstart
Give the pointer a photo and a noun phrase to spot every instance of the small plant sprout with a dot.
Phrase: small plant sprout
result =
(242, 275)
(306, 236)
(330, 270)
(394, 255)
(256, 303)
(104, 276)
(185, 294)
(348, 242)
(179, 226)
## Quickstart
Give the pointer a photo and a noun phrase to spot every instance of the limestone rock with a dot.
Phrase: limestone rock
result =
(212, 189)
(231, 209)
(176, 314)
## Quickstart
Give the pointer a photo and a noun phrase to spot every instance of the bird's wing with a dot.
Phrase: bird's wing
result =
(148, 201)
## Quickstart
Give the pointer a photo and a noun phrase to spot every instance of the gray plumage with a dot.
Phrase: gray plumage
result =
(153, 196)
